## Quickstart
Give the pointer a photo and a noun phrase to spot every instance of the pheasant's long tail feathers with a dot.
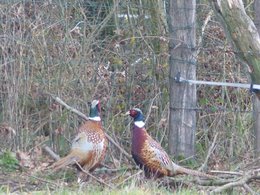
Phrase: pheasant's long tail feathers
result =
(67, 160)
(181, 170)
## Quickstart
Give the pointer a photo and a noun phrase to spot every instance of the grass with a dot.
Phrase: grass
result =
(132, 189)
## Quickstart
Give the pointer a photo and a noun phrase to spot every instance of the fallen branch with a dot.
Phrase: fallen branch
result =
(226, 172)
(201, 182)
(57, 99)
(119, 147)
(249, 189)
(48, 150)
(254, 163)
(250, 175)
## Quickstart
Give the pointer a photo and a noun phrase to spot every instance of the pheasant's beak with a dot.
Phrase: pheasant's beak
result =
(127, 113)
(94, 103)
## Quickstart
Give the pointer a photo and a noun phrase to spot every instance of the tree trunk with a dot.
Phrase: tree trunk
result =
(256, 100)
(256, 115)
(257, 14)
(245, 38)
(182, 122)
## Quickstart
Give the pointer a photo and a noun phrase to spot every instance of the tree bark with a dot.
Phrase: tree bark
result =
(256, 126)
(182, 122)
(245, 38)
(256, 100)
(257, 14)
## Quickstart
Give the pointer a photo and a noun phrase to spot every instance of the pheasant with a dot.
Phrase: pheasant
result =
(150, 156)
(89, 146)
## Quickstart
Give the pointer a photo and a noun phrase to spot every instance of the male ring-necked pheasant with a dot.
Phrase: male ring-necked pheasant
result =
(89, 146)
(150, 156)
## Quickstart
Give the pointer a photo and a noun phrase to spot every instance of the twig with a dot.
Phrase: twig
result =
(206, 21)
(116, 170)
(230, 185)
(210, 151)
(201, 182)
(150, 107)
(57, 99)
(118, 146)
(240, 182)
(255, 161)
(43, 180)
(252, 192)
(218, 182)
(51, 153)
(165, 129)
(140, 171)
(226, 172)
(89, 174)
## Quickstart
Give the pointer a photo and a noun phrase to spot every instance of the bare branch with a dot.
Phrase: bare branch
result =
(240, 182)
(210, 151)
(249, 189)
(205, 23)
(226, 172)
(150, 107)
(48, 150)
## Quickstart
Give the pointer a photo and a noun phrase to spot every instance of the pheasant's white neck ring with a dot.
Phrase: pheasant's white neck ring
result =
(96, 118)
(139, 124)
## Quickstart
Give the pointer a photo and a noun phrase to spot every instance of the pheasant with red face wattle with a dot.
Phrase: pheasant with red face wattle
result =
(89, 146)
(150, 156)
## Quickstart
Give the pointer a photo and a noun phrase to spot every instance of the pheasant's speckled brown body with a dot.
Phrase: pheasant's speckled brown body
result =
(89, 146)
(150, 156)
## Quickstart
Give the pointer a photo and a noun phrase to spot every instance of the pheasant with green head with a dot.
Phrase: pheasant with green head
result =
(89, 146)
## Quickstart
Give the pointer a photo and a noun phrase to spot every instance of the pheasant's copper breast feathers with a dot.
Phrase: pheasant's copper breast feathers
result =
(89, 146)
(93, 131)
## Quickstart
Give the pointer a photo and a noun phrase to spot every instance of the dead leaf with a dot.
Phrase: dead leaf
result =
(59, 131)
(24, 159)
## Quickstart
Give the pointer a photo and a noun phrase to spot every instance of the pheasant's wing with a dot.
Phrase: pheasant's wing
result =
(158, 154)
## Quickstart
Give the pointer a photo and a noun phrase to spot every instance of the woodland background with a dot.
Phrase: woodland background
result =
(115, 51)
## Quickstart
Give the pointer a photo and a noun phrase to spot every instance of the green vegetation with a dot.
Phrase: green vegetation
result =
(133, 189)
(8, 162)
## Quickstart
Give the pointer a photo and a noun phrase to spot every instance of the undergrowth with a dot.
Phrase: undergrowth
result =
(81, 50)
(8, 162)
